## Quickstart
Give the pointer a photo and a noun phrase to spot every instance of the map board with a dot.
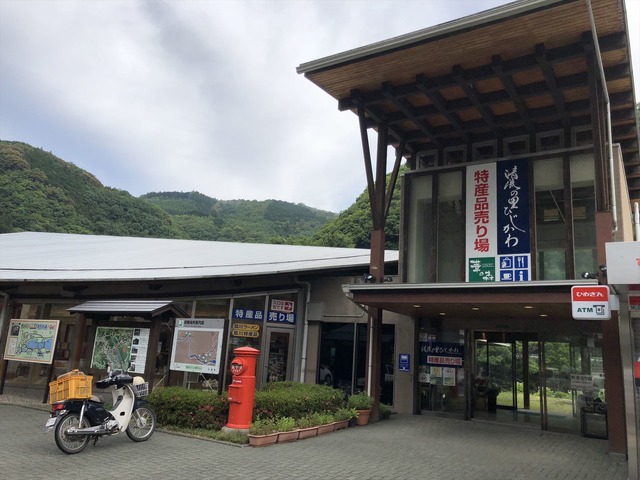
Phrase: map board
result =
(31, 340)
(122, 348)
(197, 345)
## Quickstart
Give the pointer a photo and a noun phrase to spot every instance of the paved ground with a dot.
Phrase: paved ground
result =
(404, 447)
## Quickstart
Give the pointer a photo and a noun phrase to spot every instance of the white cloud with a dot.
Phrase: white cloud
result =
(198, 95)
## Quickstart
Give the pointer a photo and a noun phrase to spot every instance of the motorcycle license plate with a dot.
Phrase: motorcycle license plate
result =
(50, 422)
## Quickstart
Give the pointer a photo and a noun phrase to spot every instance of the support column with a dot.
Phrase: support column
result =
(613, 381)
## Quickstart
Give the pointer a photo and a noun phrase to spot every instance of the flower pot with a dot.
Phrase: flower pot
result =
(341, 424)
(307, 432)
(288, 436)
(363, 417)
(325, 428)
(263, 440)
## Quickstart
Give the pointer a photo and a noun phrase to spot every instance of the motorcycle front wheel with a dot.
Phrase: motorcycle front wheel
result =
(142, 424)
(71, 443)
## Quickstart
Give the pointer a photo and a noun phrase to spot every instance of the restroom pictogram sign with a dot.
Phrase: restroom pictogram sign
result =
(590, 302)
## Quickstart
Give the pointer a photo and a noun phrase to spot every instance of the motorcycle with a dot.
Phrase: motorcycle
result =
(77, 421)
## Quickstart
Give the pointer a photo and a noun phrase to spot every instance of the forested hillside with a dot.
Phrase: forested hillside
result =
(248, 221)
(41, 192)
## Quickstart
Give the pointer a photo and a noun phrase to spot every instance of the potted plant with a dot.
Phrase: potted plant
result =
(324, 421)
(342, 417)
(263, 432)
(286, 429)
(385, 411)
(362, 403)
(307, 427)
(492, 391)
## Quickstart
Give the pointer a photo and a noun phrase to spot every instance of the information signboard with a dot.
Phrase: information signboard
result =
(31, 340)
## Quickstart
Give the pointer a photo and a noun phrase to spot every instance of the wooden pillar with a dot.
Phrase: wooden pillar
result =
(613, 380)
(152, 350)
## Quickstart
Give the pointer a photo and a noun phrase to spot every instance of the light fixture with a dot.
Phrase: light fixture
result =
(603, 269)
(475, 308)
(590, 276)
(368, 278)
(442, 314)
(528, 307)
(387, 279)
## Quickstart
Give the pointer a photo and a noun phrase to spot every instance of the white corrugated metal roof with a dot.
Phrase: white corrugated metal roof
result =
(29, 256)
(122, 307)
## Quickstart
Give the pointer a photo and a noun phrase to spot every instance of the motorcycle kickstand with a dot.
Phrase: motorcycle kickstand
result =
(95, 440)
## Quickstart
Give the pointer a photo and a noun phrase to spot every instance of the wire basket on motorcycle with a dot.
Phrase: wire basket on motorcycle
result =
(142, 389)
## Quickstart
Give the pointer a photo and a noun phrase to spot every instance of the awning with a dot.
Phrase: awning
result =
(143, 308)
(507, 300)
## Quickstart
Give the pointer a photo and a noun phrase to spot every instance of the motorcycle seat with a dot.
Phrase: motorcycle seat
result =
(96, 399)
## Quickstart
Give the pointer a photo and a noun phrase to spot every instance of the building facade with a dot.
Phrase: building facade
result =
(174, 310)
(518, 127)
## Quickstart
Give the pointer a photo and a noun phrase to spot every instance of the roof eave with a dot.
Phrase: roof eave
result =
(472, 21)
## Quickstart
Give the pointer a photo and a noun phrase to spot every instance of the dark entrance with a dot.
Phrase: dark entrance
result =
(343, 358)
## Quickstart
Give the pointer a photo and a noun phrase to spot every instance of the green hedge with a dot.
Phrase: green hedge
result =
(179, 407)
(184, 408)
(296, 400)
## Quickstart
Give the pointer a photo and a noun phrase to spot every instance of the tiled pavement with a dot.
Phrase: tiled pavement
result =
(404, 447)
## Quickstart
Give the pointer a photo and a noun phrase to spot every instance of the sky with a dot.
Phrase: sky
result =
(202, 95)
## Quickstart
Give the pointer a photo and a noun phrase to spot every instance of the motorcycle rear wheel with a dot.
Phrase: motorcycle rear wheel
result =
(142, 424)
(71, 444)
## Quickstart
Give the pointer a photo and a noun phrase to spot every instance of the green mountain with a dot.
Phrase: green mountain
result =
(248, 221)
(41, 192)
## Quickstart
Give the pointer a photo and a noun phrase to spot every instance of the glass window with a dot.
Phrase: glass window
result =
(551, 233)
(420, 268)
(217, 308)
(451, 228)
(584, 222)
(246, 330)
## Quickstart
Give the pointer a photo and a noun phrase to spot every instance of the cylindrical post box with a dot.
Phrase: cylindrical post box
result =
(242, 388)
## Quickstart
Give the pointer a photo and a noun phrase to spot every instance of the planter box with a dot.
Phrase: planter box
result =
(341, 424)
(325, 428)
(263, 440)
(288, 436)
(307, 432)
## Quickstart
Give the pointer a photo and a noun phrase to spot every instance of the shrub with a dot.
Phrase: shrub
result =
(189, 408)
(385, 411)
(263, 426)
(360, 401)
(296, 400)
(285, 424)
(345, 414)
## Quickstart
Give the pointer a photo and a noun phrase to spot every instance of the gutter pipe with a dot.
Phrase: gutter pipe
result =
(612, 183)
(305, 330)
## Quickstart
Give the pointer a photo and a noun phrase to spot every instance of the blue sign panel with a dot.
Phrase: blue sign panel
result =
(404, 362)
(281, 317)
(514, 268)
(512, 192)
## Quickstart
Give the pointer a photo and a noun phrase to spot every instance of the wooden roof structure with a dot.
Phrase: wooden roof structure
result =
(522, 68)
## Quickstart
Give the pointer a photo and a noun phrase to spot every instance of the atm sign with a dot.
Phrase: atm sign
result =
(590, 303)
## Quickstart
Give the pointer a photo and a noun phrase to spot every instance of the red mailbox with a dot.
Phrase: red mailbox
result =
(242, 389)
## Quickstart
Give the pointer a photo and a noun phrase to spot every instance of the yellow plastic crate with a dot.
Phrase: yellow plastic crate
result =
(74, 384)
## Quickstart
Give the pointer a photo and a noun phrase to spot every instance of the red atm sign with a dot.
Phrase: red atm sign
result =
(590, 303)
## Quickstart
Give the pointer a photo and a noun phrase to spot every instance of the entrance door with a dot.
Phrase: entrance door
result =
(506, 384)
(279, 351)
(562, 402)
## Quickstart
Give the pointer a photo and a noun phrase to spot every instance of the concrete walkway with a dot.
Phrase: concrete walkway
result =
(404, 447)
